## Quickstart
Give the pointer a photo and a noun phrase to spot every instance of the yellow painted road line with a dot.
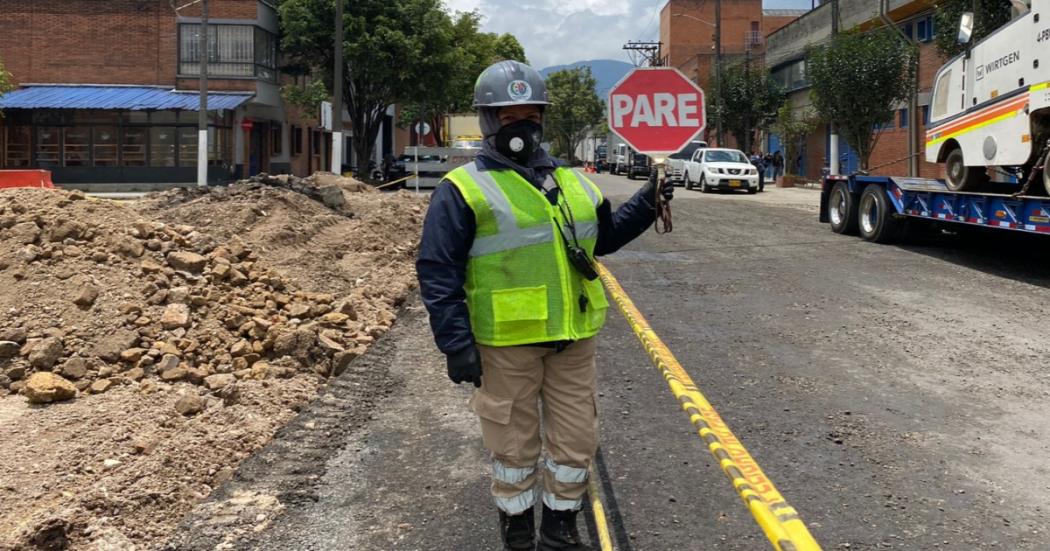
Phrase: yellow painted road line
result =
(779, 521)
(600, 524)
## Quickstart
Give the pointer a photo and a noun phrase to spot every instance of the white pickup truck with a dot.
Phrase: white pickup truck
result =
(991, 104)
(675, 167)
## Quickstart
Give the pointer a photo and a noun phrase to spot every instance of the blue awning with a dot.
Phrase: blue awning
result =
(133, 98)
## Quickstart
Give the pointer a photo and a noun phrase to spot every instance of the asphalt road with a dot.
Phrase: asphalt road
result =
(896, 395)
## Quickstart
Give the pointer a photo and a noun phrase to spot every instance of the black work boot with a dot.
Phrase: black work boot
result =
(518, 531)
(558, 531)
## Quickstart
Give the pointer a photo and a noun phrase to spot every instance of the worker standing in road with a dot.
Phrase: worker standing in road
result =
(506, 272)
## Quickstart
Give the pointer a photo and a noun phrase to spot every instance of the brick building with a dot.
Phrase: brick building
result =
(785, 58)
(108, 92)
(687, 34)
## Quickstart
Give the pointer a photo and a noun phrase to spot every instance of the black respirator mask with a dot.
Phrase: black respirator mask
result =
(519, 140)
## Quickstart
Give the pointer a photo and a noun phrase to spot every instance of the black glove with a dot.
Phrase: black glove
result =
(666, 189)
(465, 365)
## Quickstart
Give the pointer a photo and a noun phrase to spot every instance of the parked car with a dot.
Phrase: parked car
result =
(676, 162)
(639, 165)
(721, 169)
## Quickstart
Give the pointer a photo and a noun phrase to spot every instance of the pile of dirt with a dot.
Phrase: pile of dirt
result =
(185, 328)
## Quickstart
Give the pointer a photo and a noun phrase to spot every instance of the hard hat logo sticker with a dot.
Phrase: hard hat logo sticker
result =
(519, 90)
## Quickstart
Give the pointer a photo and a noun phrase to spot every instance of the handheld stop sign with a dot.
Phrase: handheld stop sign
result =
(657, 111)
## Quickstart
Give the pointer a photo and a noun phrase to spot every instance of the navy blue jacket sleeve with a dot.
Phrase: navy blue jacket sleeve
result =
(616, 229)
(448, 234)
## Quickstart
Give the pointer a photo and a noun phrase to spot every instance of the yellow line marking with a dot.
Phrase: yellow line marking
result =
(600, 523)
(778, 520)
(1040, 86)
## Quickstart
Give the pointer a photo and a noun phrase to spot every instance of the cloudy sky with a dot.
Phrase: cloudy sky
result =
(555, 32)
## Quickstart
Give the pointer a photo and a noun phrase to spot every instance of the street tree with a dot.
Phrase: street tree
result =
(989, 15)
(395, 51)
(749, 102)
(792, 126)
(575, 109)
(472, 52)
(858, 81)
(6, 81)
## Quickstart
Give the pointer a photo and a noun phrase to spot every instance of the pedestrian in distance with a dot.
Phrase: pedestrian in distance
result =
(507, 275)
(756, 161)
(778, 164)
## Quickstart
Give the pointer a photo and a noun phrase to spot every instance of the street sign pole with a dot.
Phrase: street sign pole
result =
(202, 115)
(337, 95)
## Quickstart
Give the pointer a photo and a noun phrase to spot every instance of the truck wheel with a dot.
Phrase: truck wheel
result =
(959, 176)
(875, 216)
(688, 182)
(704, 188)
(1046, 173)
(842, 210)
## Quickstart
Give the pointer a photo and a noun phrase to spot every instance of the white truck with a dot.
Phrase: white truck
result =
(675, 165)
(991, 104)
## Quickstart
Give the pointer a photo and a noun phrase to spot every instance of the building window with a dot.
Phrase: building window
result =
(925, 115)
(792, 76)
(924, 29)
(275, 139)
(233, 51)
(19, 144)
(315, 147)
(48, 146)
(133, 147)
(188, 146)
(162, 146)
(104, 148)
(297, 140)
(903, 118)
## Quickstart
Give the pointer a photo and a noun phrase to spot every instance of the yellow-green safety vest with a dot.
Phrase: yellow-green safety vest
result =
(520, 286)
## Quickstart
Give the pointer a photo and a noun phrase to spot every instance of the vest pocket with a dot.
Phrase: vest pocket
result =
(597, 304)
(520, 313)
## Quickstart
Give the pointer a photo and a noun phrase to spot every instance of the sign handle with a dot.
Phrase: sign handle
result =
(663, 222)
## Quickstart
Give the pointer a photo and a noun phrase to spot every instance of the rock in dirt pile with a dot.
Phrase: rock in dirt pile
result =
(176, 307)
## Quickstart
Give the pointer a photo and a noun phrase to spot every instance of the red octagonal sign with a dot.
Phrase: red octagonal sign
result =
(656, 110)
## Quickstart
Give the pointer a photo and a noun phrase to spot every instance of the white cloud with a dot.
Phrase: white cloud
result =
(556, 32)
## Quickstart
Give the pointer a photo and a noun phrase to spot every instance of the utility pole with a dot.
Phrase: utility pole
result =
(718, 70)
(337, 94)
(202, 115)
(650, 51)
(833, 150)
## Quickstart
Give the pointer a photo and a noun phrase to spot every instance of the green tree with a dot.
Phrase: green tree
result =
(473, 51)
(792, 127)
(989, 16)
(857, 82)
(575, 109)
(395, 51)
(749, 103)
(6, 81)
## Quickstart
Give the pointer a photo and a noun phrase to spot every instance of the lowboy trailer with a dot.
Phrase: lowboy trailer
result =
(878, 207)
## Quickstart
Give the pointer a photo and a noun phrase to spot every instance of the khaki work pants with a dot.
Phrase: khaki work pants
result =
(514, 381)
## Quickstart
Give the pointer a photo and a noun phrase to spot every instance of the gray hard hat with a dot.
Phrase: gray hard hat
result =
(509, 83)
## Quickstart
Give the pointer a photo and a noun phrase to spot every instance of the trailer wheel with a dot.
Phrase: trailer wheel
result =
(1046, 173)
(959, 176)
(875, 216)
(842, 209)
